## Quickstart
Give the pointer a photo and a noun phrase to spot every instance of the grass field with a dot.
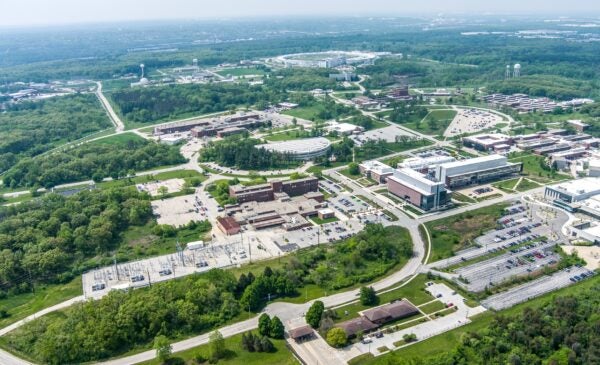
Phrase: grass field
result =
(287, 135)
(506, 185)
(435, 123)
(320, 221)
(235, 355)
(527, 184)
(414, 291)
(161, 176)
(311, 112)
(432, 307)
(22, 305)
(120, 139)
(534, 168)
(456, 232)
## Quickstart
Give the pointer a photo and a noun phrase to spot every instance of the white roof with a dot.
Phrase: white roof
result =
(300, 146)
(377, 167)
(578, 187)
(473, 161)
(415, 180)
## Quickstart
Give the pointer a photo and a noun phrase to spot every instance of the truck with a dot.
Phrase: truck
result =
(195, 245)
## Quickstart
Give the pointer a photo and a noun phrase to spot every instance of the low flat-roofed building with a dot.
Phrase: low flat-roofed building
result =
(476, 170)
(417, 189)
(579, 125)
(486, 142)
(290, 213)
(589, 206)
(594, 167)
(425, 164)
(228, 225)
(326, 213)
(574, 190)
(267, 192)
(343, 129)
(376, 170)
(546, 150)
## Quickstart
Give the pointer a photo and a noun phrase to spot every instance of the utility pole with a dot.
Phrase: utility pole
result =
(116, 267)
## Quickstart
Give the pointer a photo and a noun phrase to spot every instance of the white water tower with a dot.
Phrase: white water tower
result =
(507, 74)
(142, 67)
(195, 62)
(517, 71)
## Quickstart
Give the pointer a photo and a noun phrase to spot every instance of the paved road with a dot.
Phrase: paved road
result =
(114, 118)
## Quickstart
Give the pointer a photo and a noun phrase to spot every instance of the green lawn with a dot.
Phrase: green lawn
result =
(432, 307)
(287, 135)
(238, 356)
(320, 221)
(120, 139)
(22, 305)
(506, 185)
(534, 168)
(435, 123)
(241, 71)
(167, 175)
(139, 241)
(312, 112)
(527, 184)
(456, 232)
(414, 291)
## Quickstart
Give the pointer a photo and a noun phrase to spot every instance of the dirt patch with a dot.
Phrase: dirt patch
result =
(144, 242)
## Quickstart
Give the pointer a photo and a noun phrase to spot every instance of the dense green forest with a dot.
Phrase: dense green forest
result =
(54, 238)
(564, 331)
(94, 160)
(299, 79)
(202, 302)
(30, 128)
(241, 153)
(554, 87)
(146, 105)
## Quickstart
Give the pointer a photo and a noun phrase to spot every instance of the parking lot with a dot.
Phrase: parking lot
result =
(330, 187)
(471, 121)
(388, 134)
(494, 271)
(349, 205)
(179, 211)
(310, 236)
(154, 188)
(536, 288)
(516, 227)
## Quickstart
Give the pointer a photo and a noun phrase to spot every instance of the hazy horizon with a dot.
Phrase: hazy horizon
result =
(26, 13)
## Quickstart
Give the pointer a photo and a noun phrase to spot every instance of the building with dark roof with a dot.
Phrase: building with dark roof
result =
(390, 312)
(301, 333)
(228, 225)
(357, 325)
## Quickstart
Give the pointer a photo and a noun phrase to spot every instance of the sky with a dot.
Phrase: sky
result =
(42, 12)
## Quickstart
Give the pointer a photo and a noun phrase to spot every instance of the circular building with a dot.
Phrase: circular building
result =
(330, 59)
(301, 149)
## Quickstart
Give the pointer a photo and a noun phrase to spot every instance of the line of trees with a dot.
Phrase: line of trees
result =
(242, 154)
(91, 161)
